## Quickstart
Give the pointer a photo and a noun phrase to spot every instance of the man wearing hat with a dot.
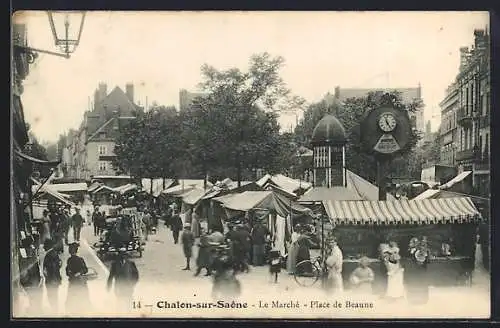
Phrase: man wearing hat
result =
(52, 272)
(125, 275)
(187, 241)
(77, 223)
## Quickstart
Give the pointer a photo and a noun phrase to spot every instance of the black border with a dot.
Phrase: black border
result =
(289, 5)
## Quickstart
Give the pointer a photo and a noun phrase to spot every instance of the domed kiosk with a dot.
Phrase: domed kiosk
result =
(329, 131)
(328, 142)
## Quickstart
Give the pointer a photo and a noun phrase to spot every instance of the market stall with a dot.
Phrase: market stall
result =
(361, 226)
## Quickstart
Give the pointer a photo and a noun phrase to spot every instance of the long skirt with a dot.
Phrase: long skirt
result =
(395, 284)
(291, 261)
(336, 283)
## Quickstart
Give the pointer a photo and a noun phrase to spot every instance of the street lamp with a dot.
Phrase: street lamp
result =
(67, 27)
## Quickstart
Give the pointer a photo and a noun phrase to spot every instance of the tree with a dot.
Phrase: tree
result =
(235, 126)
(351, 113)
(147, 146)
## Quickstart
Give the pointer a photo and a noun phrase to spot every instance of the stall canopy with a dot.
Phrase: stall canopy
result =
(229, 186)
(285, 183)
(183, 186)
(356, 188)
(68, 187)
(262, 200)
(57, 196)
(425, 211)
(455, 180)
(176, 191)
(103, 188)
(157, 185)
(94, 186)
(125, 188)
(192, 197)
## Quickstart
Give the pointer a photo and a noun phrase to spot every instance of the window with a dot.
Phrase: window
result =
(102, 166)
(102, 150)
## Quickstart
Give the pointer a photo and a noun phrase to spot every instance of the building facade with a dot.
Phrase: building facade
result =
(449, 126)
(90, 149)
(408, 95)
(473, 108)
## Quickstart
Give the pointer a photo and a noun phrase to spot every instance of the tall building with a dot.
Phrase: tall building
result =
(186, 98)
(408, 95)
(473, 114)
(90, 149)
(449, 127)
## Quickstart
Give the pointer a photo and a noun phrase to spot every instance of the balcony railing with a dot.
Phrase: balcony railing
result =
(482, 166)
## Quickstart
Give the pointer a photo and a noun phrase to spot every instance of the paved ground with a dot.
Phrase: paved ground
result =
(162, 279)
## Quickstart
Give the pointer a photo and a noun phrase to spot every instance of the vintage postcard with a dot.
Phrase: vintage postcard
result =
(313, 165)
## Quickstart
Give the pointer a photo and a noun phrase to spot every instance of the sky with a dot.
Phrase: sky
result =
(162, 52)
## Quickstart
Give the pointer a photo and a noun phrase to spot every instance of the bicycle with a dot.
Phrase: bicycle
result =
(308, 272)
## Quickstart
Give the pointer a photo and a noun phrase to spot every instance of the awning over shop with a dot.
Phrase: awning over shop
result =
(455, 180)
(425, 211)
(36, 160)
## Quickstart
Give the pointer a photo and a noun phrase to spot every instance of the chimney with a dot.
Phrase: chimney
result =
(103, 90)
(480, 39)
(337, 92)
(129, 91)
(464, 57)
(97, 99)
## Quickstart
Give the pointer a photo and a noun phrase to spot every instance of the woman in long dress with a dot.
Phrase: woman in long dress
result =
(45, 227)
(334, 262)
(291, 261)
(395, 274)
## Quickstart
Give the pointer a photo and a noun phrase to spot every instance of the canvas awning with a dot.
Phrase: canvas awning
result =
(157, 185)
(425, 211)
(54, 194)
(68, 187)
(103, 188)
(455, 180)
(249, 200)
(192, 197)
(125, 188)
(177, 190)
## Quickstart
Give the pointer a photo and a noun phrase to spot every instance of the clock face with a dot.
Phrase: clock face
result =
(387, 122)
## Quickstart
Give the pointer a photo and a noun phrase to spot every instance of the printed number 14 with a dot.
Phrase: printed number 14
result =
(136, 305)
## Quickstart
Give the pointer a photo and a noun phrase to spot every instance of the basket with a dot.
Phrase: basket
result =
(91, 274)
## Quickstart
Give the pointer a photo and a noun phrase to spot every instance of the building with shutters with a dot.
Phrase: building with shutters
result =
(466, 112)
(89, 150)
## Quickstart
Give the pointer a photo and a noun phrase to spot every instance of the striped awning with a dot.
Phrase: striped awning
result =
(424, 211)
